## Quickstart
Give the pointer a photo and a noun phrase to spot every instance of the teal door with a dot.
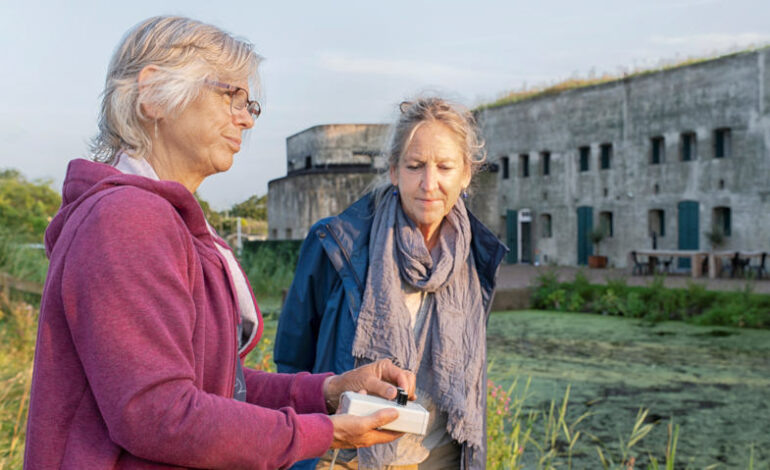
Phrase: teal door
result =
(688, 229)
(585, 222)
(511, 236)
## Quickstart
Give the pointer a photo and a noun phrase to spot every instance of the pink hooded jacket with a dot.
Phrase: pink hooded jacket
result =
(135, 359)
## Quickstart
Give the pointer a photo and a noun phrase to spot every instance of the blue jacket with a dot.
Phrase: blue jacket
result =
(318, 320)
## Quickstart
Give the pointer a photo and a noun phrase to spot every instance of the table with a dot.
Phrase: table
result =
(715, 259)
(696, 258)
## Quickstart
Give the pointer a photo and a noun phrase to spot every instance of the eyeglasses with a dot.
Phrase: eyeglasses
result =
(239, 98)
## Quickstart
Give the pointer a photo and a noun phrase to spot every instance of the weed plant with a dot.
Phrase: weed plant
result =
(653, 302)
(518, 437)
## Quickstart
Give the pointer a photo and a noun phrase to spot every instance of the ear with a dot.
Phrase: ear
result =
(394, 176)
(144, 81)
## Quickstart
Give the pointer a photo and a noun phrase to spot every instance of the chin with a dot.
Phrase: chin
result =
(224, 165)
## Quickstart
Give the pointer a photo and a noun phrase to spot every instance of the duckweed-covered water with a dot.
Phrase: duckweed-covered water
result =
(712, 381)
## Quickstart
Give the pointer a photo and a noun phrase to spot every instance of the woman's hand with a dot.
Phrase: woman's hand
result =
(374, 379)
(361, 431)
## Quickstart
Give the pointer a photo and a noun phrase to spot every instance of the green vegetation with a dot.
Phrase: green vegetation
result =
(252, 212)
(574, 83)
(710, 383)
(18, 326)
(21, 260)
(254, 207)
(26, 207)
(270, 266)
(519, 438)
(654, 302)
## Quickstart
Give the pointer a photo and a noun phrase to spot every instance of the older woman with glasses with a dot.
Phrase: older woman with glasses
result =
(405, 273)
(146, 314)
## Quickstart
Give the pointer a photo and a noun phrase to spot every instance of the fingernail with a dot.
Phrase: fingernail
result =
(391, 391)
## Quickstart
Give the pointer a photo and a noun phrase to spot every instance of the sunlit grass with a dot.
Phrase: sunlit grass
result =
(18, 325)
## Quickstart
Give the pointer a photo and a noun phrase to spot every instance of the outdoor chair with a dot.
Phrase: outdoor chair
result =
(738, 266)
(759, 269)
(640, 268)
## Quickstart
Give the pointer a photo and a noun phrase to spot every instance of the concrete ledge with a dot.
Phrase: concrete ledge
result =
(511, 299)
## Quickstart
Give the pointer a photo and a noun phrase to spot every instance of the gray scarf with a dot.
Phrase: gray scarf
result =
(448, 356)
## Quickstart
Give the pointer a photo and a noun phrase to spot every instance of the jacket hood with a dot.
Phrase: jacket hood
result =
(85, 178)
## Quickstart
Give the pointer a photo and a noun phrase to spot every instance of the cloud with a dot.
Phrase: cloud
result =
(712, 41)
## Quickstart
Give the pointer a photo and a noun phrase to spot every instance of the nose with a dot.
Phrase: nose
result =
(429, 178)
(243, 119)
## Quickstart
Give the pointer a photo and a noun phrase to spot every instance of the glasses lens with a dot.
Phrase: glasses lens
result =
(240, 98)
(254, 108)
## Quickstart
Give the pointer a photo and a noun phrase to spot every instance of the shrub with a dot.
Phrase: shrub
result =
(26, 207)
(654, 302)
(543, 291)
(270, 265)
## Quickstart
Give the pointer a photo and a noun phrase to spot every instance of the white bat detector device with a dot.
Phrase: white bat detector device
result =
(412, 418)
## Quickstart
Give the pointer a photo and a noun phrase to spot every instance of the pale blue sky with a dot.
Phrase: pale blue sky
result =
(340, 61)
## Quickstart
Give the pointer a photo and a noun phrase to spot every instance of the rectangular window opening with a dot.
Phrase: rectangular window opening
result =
(688, 146)
(722, 143)
(545, 226)
(585, 154)
(606, 156)
(524, 165)
(722, 222)
(605, 222)
(505, 163)
(658, 150)
(545, 163)
(657, 222)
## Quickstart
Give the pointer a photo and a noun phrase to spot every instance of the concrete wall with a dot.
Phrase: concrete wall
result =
(484, 201)
(296, 202)
(336, 144)
(729, 92)
(344, 159)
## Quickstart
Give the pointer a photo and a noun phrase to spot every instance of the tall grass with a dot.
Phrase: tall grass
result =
(270, 266)
(18, 326)
(22, 260)
(521, 437)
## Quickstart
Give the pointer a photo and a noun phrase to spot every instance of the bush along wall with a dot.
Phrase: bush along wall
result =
(654, 302)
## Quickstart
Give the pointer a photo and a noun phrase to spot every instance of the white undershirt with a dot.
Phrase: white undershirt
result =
(250, 321)
(413, 448)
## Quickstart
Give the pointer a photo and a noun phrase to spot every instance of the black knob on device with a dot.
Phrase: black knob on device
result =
(401, 396)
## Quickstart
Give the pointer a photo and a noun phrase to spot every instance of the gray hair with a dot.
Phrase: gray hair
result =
(186, 53)
(454, 116)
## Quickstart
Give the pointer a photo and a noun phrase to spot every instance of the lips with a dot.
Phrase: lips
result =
(234, 142)
(428, 201)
